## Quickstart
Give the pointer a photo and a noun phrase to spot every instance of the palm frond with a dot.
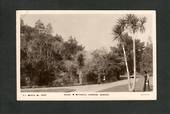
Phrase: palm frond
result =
(132, 22)
(142, 22)
(117, 32)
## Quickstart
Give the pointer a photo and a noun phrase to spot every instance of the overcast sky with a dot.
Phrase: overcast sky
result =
(91, 30)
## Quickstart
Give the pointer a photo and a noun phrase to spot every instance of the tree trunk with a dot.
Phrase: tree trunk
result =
(80, 77)
(134, 64)
(98, 79)
(127, 69)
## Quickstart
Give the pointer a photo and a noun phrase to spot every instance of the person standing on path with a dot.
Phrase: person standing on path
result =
(146, 82)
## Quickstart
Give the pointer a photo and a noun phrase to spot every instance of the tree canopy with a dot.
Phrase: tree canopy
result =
(49, 60)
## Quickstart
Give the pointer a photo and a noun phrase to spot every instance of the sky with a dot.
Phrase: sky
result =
(93, 31)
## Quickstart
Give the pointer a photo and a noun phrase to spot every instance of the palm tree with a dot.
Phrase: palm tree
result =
(80, 60)
(133, 26)
(118, 32)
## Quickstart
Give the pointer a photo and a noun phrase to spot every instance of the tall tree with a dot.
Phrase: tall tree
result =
(80, 60)
(39, 26)
(49, 28)
(128, 44)
(99, 63)
(71, 48)
(115, 63)
(133, 25)
(118, 32)
(147, 62)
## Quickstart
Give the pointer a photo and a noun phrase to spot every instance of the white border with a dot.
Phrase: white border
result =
(59, 96)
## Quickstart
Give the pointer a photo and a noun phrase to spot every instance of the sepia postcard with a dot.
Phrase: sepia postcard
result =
(86, 55)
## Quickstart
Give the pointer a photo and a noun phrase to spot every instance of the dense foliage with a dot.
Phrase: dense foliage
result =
(48, 60)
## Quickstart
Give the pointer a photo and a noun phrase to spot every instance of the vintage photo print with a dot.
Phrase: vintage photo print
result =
(68, 55)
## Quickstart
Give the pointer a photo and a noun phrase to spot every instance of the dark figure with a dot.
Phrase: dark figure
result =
(104, 78)
(146, 82)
